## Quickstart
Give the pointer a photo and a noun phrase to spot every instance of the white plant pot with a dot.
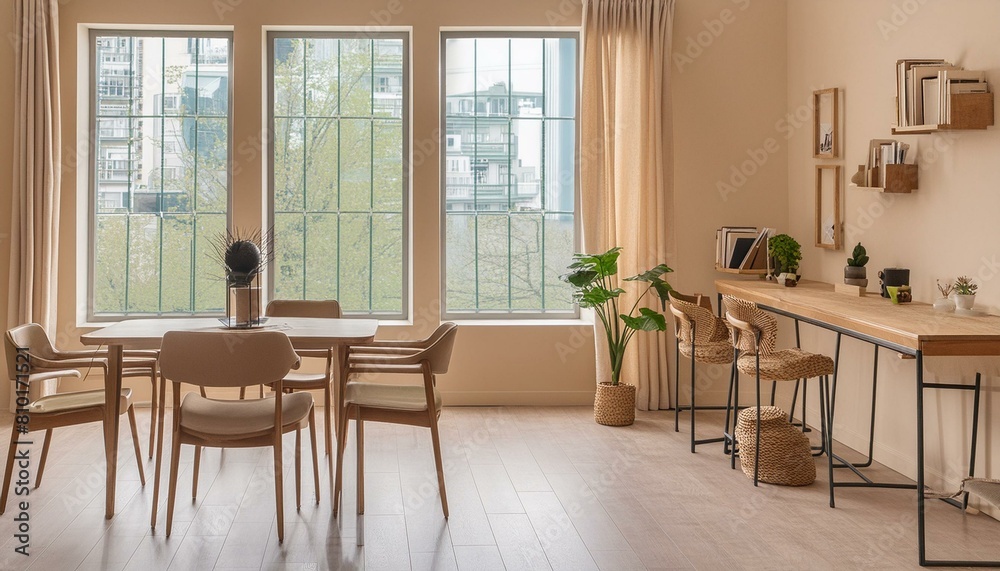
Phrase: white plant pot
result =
(944, 304)
(965, 301)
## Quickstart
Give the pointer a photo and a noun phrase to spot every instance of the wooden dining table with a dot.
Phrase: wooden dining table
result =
(303, 332)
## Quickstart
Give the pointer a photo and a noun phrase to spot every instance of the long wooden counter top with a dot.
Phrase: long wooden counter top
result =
(915, 326)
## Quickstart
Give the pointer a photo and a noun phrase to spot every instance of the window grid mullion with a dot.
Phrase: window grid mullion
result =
(305, 201)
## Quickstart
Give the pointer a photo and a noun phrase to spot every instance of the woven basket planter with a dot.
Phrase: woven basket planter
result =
(614, 405)
(785, 457)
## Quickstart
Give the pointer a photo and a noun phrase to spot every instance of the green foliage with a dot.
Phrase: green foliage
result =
(592, 277)
(859, 257)
(786, 252)
(965, 286)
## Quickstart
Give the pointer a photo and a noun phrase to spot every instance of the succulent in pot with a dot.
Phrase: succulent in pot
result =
(965, 293)
(855, 272)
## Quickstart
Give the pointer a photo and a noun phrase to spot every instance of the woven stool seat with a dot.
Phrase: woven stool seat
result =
(715, 352)
(785, 456)
(786, 365)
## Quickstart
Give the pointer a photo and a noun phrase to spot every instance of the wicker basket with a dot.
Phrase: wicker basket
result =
(785, 456)
(614, 405)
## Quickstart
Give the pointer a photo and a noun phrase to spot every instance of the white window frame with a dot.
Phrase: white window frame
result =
(87, 143)
(387, 32)
(488, 316)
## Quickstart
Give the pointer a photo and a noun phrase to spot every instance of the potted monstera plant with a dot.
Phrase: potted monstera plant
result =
(596, 286)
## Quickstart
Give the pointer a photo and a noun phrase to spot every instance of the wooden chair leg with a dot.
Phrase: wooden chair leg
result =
(435, 439)
(360, 425)
(312, 438)
(159, 453)
(45, 455)
(175, 457)
(341, 445)
(203, 393)
(9, 470)
(261, 391)
(194, 477)
(279, 491)
(298, 469)
(135, 444)
(243, 393)
(152, 413)
(327, 416)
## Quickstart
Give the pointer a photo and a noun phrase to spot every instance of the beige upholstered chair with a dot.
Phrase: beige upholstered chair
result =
(58, 410)
(234, 359)
(295, 381)
(703, 338)
(754, 336)
(415, 405)
(45, 357)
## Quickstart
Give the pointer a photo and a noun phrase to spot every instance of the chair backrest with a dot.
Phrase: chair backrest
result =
(10, 349)
(32, 337)
(748, 312)
(226, 358)
(329, 308)
(696, 310)
(439, 348)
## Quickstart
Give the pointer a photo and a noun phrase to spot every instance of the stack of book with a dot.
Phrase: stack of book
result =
(883, 152)
(741, 247)
(924, 89)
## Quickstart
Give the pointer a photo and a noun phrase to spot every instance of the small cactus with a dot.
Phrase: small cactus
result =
(859, 257)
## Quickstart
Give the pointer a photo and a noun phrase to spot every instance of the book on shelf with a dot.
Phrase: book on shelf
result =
(958, 81)
(932, 100)
(741, 247)
(904, 88)
(756, 258)
(924, 89)
(730, 235)
(919, 73)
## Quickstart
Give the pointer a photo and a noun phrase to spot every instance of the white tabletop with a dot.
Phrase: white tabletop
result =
(303, 332)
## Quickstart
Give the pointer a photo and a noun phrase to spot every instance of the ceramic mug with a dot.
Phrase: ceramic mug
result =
(893, 277)
(893, 292)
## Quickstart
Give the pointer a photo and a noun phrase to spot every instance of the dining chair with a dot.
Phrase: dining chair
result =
(234, 359)
(57, 410)
(295, 381)
(45, 357)
(412, 404)
(703, 338)
(754, 339)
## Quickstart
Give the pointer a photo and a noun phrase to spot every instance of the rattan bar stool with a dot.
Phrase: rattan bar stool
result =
(754, 336)
(702, 338)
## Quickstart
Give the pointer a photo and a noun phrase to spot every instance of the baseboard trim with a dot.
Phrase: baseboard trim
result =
(517, 398)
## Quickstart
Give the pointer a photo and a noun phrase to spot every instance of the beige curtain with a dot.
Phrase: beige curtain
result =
(627, 158)
(37, 158)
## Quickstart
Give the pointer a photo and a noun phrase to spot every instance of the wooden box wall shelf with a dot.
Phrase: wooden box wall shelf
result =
(968, 111)
(899, 178)
(760, 272)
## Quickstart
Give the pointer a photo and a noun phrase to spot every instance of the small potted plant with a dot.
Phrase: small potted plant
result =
(944, 303)
(595, 285)
(855, 272)
(787, 254)
(965, 293)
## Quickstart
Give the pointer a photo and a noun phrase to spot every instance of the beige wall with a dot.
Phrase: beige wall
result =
(946, 228)
(729, 104)
(548, 364)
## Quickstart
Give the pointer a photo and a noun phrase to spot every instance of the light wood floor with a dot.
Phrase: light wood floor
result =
(529, 488)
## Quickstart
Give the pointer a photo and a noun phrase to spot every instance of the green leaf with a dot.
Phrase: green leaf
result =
(662, 290)
(647, 320)
(596, 296)
(650, 274)
(580, 278)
